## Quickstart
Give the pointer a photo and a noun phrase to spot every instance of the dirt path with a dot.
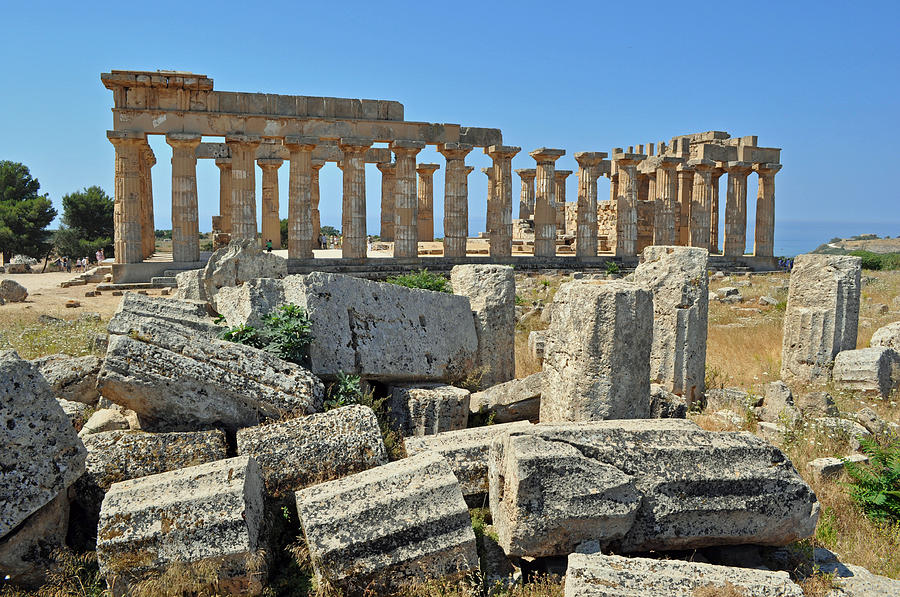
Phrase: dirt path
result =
(46, 297)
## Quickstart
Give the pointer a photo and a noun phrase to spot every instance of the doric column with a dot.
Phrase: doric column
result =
(127, 206)
(185, 217)
(613, 183)
(701, 202)
(148, 232)
(526, 198)
(271, 224)
(665, 219)
(224, 165)
(714, 177)
(685, 190)
(388, 182)
(559, 182)
(406, 202)
(425, 194)
(501, 236)
(456, 199)
(586, 214)
(545, 201)
(736, 208)
(764, 245)
(626, 203)
(301, 236)
(314, 193)
(491, 208)
(243, 186)
(353, 218)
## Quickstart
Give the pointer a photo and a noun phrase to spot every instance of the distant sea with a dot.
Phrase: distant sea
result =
(793, 237)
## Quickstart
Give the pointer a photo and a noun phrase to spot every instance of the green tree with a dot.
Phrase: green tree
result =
(87, 223)
(284, 233)
(329, 231)
(24, 214)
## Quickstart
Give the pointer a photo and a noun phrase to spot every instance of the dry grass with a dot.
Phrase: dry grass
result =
(31, 338)
(881, 288)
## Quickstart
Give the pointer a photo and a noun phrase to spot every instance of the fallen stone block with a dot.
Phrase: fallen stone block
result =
(842, 429)
(240, 261)
(817, 404)
(869, 419)
(71, 378)
(641, 485)
(379, 529)
(105, 419)
(26, 554)
(75, 411)
(537, 344)
(250, 302)
(12, 292)
(429, 409)
(853, 581)
(516, 400)
(209, 515)
(467, 451)
(778, 405)
(303, 451)
(666, 405)
(829, 468)
(871, 370)
(138, 314)
(887, 337)
(598, 575)
(189, 286)
(41, 454)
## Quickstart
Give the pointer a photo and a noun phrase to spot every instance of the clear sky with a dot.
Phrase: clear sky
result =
(819, 79)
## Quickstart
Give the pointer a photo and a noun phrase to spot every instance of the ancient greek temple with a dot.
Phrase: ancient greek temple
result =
(660, 193)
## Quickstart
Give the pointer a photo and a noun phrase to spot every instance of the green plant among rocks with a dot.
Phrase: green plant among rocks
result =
(345, 390)
(423, 280)
(285, 332)
(876, 487)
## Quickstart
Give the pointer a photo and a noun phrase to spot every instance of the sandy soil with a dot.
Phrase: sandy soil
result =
(45, 296)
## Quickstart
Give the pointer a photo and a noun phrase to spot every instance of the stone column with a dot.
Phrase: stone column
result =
(665, 220)
(526, 199)
(764, 244)
(586, 231)
(388, 182)
(715, 175)
(545, 201)
(243, 185)
(271, 224)
(685, 190)
(559, 181)
(314, 192)
(127, 206)
(701, 202)
(148, 232)
(501, 236)
(626, 203)
(301, 236)
(353, 217)
(456, 199)
(489, 223)
(736, 208)
(406, 202)
(224, 165)
(613, 183)
(425, 195)
(185, 218)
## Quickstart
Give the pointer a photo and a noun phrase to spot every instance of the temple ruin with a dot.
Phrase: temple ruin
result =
(661, 193)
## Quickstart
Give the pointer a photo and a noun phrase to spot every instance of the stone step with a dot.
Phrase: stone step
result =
(164, 281)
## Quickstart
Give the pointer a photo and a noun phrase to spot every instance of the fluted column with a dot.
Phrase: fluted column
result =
(353, 219)
(559, 181)
(764, 245)
(406, 204)
(501, 238)
(224, 165)
(626, 203)
(586, 214)
(526, 198)
(456, 199)
(148, 232)
(243, 186)
(736, 208)
(701, 202)
(425, 195)
(127, 205)
(545, 201)
(185, 217)
(714, 177)
(665, 219)
(685, 191)
(301, 236)
(271, 224)
(388, 182)
(491, 213)
(314, 195)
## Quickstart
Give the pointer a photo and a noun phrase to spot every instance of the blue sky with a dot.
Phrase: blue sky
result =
(819, 79)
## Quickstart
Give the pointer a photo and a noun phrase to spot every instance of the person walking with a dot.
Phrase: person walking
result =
(269, 246)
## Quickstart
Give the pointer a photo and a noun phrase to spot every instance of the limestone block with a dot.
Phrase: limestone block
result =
(597, 360)
(887, 336)
(71, 378)
(491, 290)
(515, 400)
(537, 344)
(817, 404)
(12, 292)
(778, 405)
(822, 315)
(26, 554)
(873, 370)
(426, 409)
(105, 419)
(240, 261)
(640, 485)
(302, 451)
(138, 314)
(869, 419)
(829, 468)
(75, 411)
(209, 514)
(678, 279)
(467, 451)
(853, 581)
(190, 286)
(250, 302)
(734, 396)
(41, 454)
(599, 575)
(380, 528)
(666, 405)
(842, 429)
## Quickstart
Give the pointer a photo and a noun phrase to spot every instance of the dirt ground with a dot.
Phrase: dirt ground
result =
(46, 297)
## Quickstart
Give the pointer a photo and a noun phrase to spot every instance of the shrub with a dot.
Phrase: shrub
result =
(612, 267)
(284, 333)
(876, 487)
(344, 391)
(423, 280)
(870, 260)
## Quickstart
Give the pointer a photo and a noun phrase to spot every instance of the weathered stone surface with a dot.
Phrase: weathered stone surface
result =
(515, 400)
(666, 405)
(733, 395)
(389, 525)
(467, 452)
(887, 336)
(853, 581)
(206, 514)
(778, 405)
(427, 409)
(25, 554)
(597, 359)
(491, 290)
(190, 286)
(76, 411)
(822, 315)
(12, 292)
(873, 370)
(640, 485)
(537, 344)
(869, 419)
(105, 419)
(302, 451)
(240, 261)
(817, 404)
(828, 468)
(678, 279)
(380, 331)
(842, 429)
(41, 454)
(71, 378)
(598, 575)
(250, 302)
(138, 314)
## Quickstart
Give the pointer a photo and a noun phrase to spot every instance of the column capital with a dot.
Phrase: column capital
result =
(561, 175)
(223, 162)
(427, 169)
(387, 167)
(588, 159)
(183, 139)
(736, 167)
(502, 151)
(269, 163)
(407, 147)
(354, 144)
(240, 139)
(766, 169)
(543, 155)
(149, 156)
(300, 143)
(125, 137)
(701, 165)
(317, 164)
(489, 172)
(469, 169)
(622, 158)
(454, 151)
(527, 173)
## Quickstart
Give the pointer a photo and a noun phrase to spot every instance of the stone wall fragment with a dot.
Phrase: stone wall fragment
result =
(427, 409)
(872, 370)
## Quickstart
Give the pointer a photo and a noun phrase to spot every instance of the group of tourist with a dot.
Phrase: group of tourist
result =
(64, 263)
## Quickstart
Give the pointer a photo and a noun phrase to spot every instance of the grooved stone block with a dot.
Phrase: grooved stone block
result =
(140, 314)
(874, 370)
(429, 409)
(71, 378)
(381, 528)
